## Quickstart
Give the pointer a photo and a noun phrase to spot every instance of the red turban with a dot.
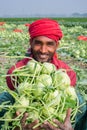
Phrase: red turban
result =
(45, 27)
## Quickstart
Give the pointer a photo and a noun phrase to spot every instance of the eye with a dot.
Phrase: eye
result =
(50, 44)
(37, 42)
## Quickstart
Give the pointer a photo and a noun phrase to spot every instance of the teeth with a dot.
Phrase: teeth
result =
(43, 56)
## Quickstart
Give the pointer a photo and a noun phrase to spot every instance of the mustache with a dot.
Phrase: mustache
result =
(38, 52)
(43, 53)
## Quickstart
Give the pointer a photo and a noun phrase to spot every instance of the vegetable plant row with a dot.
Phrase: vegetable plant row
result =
(14, 42)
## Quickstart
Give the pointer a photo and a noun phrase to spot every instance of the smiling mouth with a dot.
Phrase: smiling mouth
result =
(43, 56)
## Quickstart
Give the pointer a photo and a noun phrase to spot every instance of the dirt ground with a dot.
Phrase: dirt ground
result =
(72, 61)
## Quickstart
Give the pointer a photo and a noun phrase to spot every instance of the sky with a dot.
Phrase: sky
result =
(41, 7)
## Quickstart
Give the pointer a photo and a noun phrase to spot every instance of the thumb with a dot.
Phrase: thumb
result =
(17, 113)
(68, 115)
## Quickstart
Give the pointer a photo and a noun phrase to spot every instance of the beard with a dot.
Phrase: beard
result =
(42, 57)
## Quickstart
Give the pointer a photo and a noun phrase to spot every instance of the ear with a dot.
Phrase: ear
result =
(30, 41)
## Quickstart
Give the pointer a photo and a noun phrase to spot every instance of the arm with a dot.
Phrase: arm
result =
(81, 117)
(7, 99)
(82, 123)
(10, 82)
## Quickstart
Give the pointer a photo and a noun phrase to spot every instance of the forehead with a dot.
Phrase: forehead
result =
(43, 39)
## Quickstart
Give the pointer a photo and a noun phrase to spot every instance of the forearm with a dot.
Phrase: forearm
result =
(81, 117)
(7, 99)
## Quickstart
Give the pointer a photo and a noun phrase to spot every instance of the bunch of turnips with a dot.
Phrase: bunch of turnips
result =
(42, 91)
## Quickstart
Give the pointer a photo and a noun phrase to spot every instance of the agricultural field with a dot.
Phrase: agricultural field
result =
(14, 42)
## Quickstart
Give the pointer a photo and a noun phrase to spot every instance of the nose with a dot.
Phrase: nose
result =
(43, 49)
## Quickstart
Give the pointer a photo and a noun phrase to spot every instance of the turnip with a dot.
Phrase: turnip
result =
(61, 79)
(22, 104)
(38, 89)
(53, 98)
(70, 91)
(23, 87)
(48, 68)
(45, 79)
(34, 67)
(47, 111)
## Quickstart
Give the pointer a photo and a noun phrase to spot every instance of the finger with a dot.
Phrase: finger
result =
(17, 128)
(68, 115)
(67, 121)
(17, 113)
(59, 124)
(38, 128)
(23, 120)
(33, 125)
(46, 125)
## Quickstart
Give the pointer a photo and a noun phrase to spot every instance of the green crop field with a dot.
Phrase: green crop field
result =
(14, 44)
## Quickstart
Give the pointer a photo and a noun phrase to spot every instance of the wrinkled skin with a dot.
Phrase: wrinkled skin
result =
(46, 125)
(60, 126)
(27, 126)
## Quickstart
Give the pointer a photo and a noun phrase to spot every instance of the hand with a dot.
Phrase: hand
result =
(27, 126)
(60, 126)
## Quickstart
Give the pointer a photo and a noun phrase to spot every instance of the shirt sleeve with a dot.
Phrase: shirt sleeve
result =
(81, 117)
(7, 99)
(10, 80)
(72, 76)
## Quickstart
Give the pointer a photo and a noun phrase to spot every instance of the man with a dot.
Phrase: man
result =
(44, 40)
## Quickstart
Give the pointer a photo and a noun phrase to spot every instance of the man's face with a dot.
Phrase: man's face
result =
(43, 48)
